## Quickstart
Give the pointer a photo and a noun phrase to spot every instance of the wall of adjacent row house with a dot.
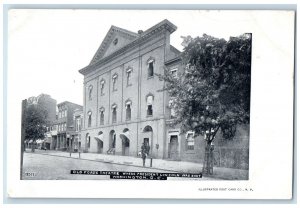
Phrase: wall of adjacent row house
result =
(231, 153)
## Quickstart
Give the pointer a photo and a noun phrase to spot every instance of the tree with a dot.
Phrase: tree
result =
(212, 93)
(35, 123)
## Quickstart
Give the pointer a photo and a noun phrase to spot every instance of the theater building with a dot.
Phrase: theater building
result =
(123, 102)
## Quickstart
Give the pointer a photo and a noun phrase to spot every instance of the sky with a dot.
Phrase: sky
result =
(46, 48)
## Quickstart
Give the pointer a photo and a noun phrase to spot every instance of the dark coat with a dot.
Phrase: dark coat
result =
(144, 151)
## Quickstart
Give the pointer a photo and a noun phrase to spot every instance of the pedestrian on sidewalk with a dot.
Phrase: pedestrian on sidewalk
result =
(144, 153)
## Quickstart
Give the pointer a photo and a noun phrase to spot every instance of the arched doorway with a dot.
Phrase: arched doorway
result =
(99, 140)
(148, 137)
(112, 142)
(87, 141)
(125, 142)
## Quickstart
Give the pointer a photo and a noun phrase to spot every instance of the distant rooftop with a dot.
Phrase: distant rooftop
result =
(70, 103)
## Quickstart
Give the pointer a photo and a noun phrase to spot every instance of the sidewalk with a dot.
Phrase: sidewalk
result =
(157, 164)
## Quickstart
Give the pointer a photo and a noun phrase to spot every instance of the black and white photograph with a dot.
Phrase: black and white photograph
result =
(129, 96)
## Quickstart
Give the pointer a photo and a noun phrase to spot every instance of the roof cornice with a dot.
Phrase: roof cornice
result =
(176, 59)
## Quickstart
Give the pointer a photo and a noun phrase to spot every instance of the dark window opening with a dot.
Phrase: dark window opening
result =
(102, 118)
(90, 121)
(149, 110)
(114, 80)
(102, 89)
(114, 115)
(90, 92)
(150, 69)
(88, 142)
(128, 77)
(128, 112)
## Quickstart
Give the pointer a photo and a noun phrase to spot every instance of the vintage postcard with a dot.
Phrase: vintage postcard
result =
(150, 104)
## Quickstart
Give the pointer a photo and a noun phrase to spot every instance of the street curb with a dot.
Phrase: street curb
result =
(126, 164)
(108, 162)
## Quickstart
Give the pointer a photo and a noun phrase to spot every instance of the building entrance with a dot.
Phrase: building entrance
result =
(125, 142)
(99, 140)
(112, 142)
(148, 138)
(100, 146)
(173, 147)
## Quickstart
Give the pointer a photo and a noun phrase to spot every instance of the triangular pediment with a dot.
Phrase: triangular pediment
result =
(115, 39)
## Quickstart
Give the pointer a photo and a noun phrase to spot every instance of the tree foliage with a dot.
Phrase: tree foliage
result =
(35, 122)
(212, 92)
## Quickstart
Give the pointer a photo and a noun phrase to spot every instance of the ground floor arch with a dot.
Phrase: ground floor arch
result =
(125, 139)
(112, 142)
(147, 135)
(87, 141)
(99, 140)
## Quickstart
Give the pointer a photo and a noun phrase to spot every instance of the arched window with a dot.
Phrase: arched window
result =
(128, 76)
(128, 110)
(102, 83)
(88, 140)
(150, 63)
(174, 72)
(114, 81)
(149, 100)
(114, 113)
(89, 118)
(102, 116)
(90, 90)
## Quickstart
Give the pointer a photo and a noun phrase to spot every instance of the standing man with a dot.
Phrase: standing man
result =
(147, 148)
(144, 153)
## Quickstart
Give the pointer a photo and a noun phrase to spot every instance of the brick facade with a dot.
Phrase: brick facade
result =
(64, 126)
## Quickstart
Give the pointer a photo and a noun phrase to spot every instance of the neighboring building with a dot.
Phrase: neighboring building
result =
(49, 104)
(52, 134)
(123, 102)
(63, 127)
